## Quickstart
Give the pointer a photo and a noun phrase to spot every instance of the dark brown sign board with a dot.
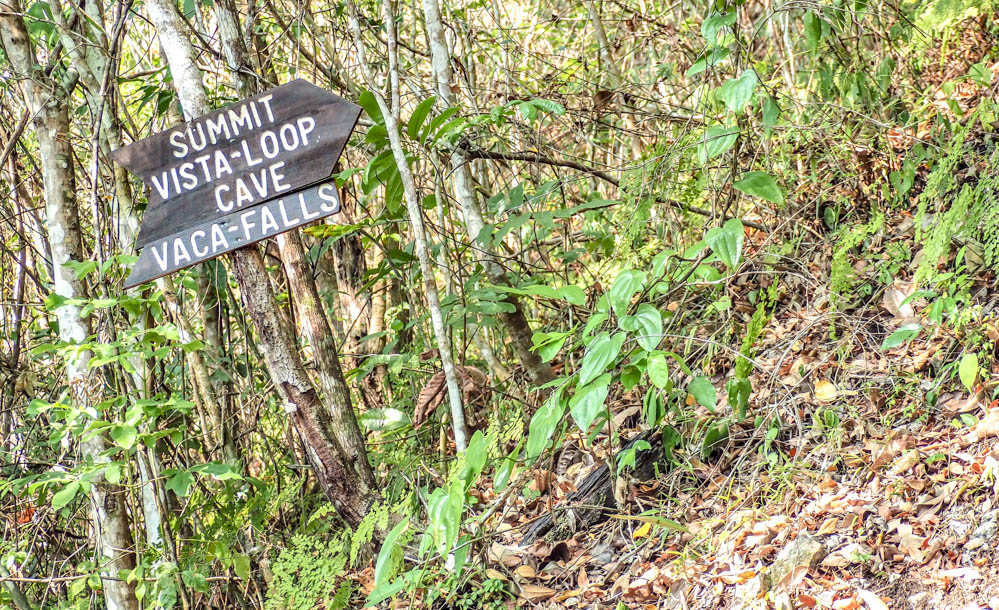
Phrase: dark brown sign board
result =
(215, 237)
(204, 174)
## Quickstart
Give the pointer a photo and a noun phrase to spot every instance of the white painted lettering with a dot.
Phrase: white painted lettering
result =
(276, 178)
(162, 258)
(217, 127)
(180, 254)
(247, 225)
(223, 206)
(267, 223)
(305, 126)
(177, 140)
(331, 203)
(219, 241)
(199, 252)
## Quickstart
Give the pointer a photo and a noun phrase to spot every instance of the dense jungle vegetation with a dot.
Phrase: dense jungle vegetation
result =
(629, 304)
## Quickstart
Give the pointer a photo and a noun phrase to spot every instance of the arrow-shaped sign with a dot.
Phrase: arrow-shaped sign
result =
(241, 156)
(207, 240)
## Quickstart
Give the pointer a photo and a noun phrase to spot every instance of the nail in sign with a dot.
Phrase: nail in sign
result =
(238, 175)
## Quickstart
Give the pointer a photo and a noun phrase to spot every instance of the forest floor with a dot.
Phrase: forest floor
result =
(872, 495)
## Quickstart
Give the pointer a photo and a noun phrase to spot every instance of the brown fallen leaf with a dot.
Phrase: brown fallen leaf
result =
(872, 600)
(536, 593)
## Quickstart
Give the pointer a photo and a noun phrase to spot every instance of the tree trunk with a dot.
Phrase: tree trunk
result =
(340, 482)
(47, 101)
(416, 219)
(515, 321)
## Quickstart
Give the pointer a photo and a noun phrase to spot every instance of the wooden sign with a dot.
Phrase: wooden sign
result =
(207, 240)
(203, 175)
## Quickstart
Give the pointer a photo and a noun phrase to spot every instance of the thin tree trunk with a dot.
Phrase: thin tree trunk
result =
(515, 321)
(47, 101)
(419, 232)
(349, 494)
(308, 307)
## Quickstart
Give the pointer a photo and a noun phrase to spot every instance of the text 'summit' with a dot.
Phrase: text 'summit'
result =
(248, 168)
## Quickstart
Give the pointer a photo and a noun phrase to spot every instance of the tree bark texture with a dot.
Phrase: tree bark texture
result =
(350, 495)
(48, 103)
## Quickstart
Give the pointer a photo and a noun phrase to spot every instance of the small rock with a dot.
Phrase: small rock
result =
(988, 528)
(806, 550)
(960, 528)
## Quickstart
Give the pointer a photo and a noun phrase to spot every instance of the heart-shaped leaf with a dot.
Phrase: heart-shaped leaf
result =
(602, 351)
(726, 242)
(762, 185)
(737, 92)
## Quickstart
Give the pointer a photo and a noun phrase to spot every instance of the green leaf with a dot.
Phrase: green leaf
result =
(902, 335)
(542, 426)
(771, 112)
(548, 345)
(968, 370)
(726, 242)
(737, 92)
(124, 435)
(602, 351)
(475, 458)
(717, 140)
(384, 419)
(178, 481)
(586, 404)
(241, 566)
(65, 495)
(713, 438)
(703, 392)
(112, 473)
(625, 285)
(658, 371)
(760, 184)
(419, 116)
(713, 24)
(647, 323)
(388, 557)
(370, 104)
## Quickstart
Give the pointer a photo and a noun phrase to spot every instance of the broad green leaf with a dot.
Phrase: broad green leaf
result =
(713, 24)
(713, 438)
(703, 392)
(475, 458)
(710, 59)
(902, 335)
(389, 555)
(647, 324)
(505, 471)
(542, 426)
(717, 140)
(178, 481)
(112, 473)
(65, 495)
(124, 435)
(726, 242)
(548, 345)
(737, 92)
(419, 116)
(968, 370)
(586, 404)
(384, 419)
(625, 285)
(370, 104)
(241, 566)
(760, 184)
(771, 112)
(599, 355)
(658, 371)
